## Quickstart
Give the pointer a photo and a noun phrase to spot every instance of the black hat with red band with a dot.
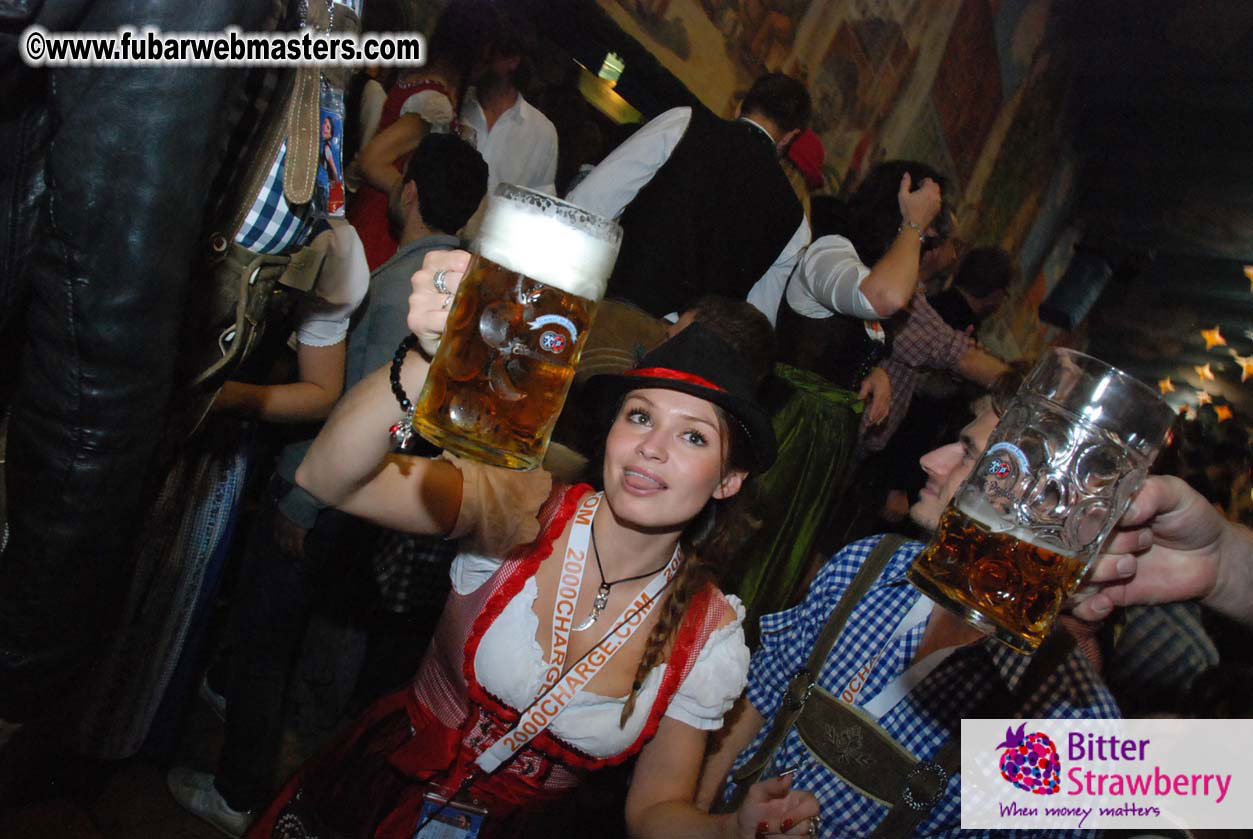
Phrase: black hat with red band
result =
(699, 363)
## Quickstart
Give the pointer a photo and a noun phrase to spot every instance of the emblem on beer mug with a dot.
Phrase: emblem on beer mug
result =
(554, 342)
(516, 328)
(1003, 457)
(551, 340)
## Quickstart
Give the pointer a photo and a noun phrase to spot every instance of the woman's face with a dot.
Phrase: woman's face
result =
(664, 459)
(328, 129)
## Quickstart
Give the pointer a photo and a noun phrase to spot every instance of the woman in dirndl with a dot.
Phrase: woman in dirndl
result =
(583, 627)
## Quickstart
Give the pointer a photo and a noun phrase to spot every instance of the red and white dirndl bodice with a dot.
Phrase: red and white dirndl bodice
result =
(452, 718)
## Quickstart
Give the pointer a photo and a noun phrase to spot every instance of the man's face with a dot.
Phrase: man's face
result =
(398, 203)
(937, 257)
(986, 306)
(495, 68)
(947, 467)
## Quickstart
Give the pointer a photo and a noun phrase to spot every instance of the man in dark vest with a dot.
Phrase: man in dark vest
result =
(704, 203)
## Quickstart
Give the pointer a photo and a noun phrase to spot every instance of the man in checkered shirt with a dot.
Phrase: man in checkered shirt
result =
(926, 716)
(924, 341)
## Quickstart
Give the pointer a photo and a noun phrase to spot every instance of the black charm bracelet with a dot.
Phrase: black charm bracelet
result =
(403, 437)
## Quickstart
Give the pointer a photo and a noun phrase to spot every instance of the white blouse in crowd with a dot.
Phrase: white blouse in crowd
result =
(828, 280)
(373, 98)
(510, 661)
(323, 315)
(520, 147)
(434, 107)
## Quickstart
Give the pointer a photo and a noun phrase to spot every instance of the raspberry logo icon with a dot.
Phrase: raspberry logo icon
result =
(1030, 762)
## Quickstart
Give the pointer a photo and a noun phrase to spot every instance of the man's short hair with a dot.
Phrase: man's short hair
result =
(984, 271)
(516, 37)
(451, 179)
(780, 98)
(742, 326)
(1007, 384)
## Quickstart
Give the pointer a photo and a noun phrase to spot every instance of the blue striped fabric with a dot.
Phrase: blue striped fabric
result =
(925, 719)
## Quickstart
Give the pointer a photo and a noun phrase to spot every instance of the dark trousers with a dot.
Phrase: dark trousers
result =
(273, 601)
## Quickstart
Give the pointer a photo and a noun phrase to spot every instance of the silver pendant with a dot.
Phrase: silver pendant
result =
(402, 433)
(598, 606)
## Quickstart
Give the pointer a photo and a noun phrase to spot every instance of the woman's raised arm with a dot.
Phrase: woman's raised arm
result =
(348, 465)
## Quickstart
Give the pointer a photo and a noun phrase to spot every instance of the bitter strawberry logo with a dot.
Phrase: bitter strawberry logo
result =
(1030, 762)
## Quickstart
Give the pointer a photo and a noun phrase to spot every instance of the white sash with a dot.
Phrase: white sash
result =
(896, 690)
(557, 691)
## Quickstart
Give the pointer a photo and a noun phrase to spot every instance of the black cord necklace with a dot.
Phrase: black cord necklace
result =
(602, 593)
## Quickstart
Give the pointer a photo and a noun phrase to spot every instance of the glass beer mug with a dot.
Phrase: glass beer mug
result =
(516, 328)
(1058, 473)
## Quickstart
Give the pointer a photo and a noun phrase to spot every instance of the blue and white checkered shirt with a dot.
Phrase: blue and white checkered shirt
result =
(272, 225)
(921, 722)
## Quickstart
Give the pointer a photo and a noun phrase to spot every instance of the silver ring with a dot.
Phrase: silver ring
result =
(447, 302)
(814, 821)
(440, 285)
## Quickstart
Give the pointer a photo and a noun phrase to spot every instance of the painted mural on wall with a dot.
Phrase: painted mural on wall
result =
(961, 84)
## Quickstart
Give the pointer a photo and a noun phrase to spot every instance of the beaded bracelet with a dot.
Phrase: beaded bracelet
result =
(922, 234)
(403, 437)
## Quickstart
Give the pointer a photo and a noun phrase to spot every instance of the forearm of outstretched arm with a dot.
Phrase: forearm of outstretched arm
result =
(980, 366)
(394, 141)
(348, 465)
(743, 723)
(1232, 594)
(660, 802)
(891, 282)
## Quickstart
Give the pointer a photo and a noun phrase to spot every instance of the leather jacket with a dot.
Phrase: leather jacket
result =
(102, 200)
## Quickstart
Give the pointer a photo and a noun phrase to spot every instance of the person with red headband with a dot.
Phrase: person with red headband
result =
(583, 627)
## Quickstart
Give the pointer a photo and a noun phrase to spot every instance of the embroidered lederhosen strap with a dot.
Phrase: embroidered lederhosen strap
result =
(802, 683)
(902, 818)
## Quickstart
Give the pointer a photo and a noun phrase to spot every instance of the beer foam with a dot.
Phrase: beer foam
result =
(981, 513)
(541, 241)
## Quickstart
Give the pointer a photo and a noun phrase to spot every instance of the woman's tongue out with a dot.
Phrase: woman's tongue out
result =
(640, 480)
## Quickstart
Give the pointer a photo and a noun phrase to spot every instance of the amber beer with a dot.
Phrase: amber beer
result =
(1013, 588)
(516, 328)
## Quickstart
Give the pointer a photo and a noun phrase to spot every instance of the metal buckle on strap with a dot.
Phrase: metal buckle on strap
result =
(914, 790)
(799, 689)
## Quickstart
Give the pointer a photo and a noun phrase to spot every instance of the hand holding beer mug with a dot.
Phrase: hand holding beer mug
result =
(1058, 473)
(516, 327)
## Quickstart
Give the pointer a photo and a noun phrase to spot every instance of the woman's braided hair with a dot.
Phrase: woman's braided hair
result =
(707, 540)
(711, 539)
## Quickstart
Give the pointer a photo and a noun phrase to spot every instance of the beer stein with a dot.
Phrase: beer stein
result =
(1059, 471)
(516, 328)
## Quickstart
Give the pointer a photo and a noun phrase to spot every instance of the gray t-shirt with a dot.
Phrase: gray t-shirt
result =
(371, 344)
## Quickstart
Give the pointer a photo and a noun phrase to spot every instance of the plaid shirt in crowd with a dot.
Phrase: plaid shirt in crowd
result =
(412, 571)
(924, 340)
(921, 722)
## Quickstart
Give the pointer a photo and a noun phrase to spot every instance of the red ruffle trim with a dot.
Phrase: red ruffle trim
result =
(527, 560)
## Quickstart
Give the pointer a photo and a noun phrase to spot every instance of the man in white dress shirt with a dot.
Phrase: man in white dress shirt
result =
(518, 142)
(704, 203)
